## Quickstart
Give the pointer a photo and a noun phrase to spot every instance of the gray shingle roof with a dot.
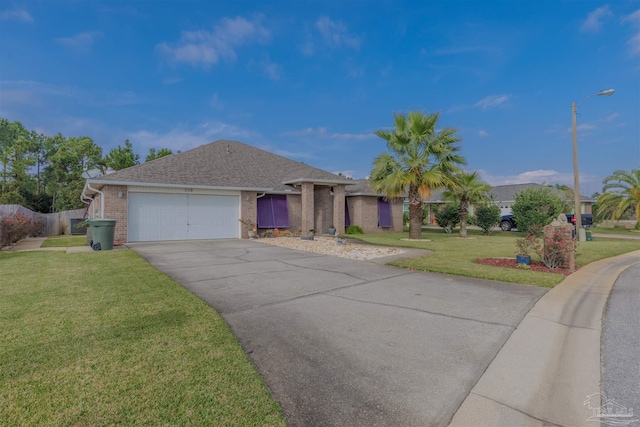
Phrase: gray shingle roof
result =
(223, 164)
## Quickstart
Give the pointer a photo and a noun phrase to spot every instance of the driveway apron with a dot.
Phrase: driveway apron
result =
(350, 343)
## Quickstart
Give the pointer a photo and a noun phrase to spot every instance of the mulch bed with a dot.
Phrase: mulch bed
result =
(511, 263)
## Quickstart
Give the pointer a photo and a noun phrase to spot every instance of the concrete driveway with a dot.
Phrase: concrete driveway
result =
(350, 343)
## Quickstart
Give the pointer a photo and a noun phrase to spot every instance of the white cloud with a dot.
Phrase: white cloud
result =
(207, 48)
(185, 139)
(289, 154)
(583, 127)
(335, 33)
(610, 118)
(634, 45)
(633, 17)
(82, 41)
(483, 133)
(593, 22)
(16, 14)
(634, 42)
(270, 69)
(492, 101)
(322, 132)
(171, 80)
(43, 94)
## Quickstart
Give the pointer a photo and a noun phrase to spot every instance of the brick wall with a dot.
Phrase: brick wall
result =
(323, 208)
(294, 203)
(248, 211)
(364, 213)
(115, 207)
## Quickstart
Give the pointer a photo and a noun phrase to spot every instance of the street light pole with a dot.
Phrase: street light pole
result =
(576, 175)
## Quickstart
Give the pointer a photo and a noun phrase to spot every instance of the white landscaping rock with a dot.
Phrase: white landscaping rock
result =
(327, 246)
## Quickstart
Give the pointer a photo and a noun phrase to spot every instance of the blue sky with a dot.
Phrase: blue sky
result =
(313, 80)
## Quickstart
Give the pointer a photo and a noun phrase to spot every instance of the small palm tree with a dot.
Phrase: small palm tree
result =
(621, 192)
(420, 158)
(466, 190)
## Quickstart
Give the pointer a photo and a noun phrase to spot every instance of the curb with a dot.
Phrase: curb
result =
(551, 363)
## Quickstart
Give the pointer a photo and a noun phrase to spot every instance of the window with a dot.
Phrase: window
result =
(384, 213)
(273, 211)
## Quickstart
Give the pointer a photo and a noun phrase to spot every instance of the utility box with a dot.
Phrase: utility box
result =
(77, 226)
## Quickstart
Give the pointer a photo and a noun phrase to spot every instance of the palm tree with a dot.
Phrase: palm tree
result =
(624, 195)
(420, 158)
(466, 190)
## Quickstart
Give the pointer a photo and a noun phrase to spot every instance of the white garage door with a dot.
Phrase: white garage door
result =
(162, 216)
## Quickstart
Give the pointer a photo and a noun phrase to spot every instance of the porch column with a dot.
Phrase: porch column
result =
(307, 207)
(338, 207)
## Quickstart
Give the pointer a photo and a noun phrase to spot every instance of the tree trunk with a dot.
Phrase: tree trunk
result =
(463, 225)
(462, 214)
(415, 220)
(415, 214)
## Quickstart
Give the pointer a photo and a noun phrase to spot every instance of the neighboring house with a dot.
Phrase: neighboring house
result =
(503, 196)
(204, 192)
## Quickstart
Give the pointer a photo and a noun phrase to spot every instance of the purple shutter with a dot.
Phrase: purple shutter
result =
(384, 213)
(347, 218)
(273, 211)
(280, 211)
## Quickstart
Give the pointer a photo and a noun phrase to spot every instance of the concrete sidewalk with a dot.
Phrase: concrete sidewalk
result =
(31, 244)
(551, 363)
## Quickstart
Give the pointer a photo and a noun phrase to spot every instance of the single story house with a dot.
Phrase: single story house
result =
(225, 188)
(504, 196)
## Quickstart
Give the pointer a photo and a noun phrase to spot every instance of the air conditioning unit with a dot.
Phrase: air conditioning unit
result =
(77, 226)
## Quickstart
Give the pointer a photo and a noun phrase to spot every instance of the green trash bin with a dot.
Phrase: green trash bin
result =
(102, 233)
(589, 236)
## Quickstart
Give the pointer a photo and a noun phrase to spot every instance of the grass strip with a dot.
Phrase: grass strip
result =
(64, 241)
(453, 255)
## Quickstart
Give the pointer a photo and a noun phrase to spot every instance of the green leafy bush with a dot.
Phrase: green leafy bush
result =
(447, 217)
(535, 207)
(487, 217)
(354, 229)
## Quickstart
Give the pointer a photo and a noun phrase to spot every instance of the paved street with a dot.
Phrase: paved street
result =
(621, 342)
(350, 343)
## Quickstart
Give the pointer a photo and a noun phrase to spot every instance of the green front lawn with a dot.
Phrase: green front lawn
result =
(104, 338)
(64, 241)
(615, 230)
(453, 255)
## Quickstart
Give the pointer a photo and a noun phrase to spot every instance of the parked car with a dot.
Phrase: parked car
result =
(507, 223)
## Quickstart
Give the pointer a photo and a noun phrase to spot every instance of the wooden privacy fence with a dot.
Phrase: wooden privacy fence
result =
(54, 223)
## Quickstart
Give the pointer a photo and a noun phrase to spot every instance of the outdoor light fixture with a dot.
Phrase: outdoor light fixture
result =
(576, 175)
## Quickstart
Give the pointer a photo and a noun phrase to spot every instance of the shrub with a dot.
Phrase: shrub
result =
(524, 245)
(447, 217)
(487, 217)
(354, 229)
(17, 226)
(554, 252)
(535, 207)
